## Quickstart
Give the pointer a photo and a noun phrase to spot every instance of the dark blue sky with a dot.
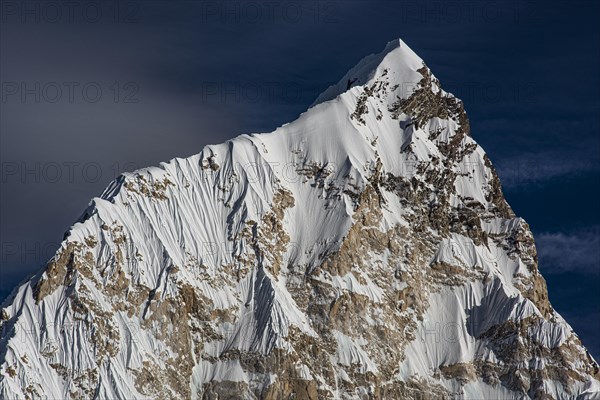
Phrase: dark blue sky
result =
(100, 87)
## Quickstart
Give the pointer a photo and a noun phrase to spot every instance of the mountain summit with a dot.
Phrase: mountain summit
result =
(362, 251)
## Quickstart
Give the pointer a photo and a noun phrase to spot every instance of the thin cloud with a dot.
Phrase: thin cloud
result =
(538, 169)
(577, 251)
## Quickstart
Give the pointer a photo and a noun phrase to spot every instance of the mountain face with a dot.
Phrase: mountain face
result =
(363, 251)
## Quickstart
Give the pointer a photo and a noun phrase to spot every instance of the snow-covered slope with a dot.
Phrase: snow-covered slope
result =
(364, 250)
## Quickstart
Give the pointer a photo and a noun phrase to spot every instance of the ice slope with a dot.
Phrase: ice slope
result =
(363, 250)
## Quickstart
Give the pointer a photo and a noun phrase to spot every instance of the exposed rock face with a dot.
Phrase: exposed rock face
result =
(363, 251)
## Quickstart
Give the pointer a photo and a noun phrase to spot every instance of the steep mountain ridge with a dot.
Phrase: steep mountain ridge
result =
(364, 250)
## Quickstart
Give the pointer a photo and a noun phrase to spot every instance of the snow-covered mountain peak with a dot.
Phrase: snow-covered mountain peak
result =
(396, 59)
(364, 250)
